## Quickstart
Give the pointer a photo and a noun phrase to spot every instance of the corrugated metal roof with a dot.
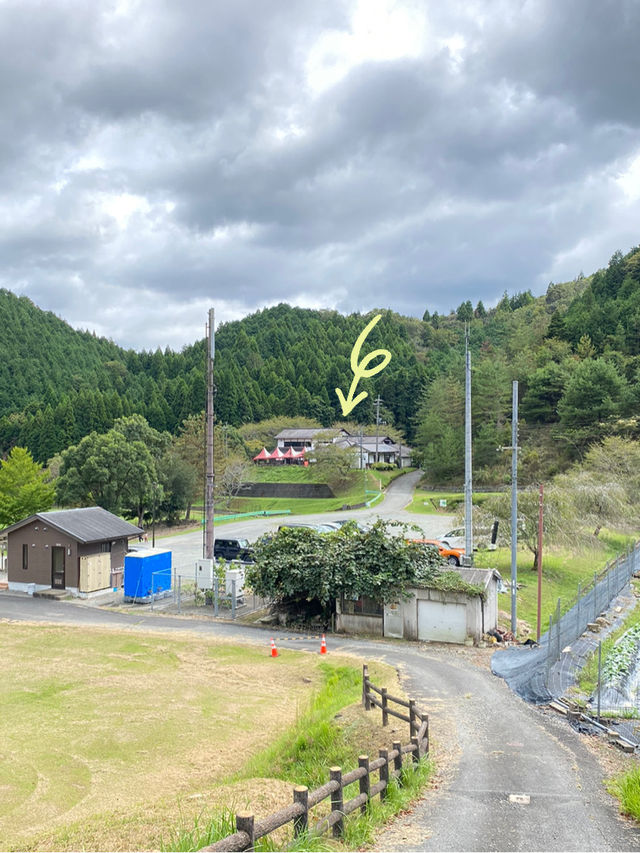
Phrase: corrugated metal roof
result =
(88, 524)
(303, 432)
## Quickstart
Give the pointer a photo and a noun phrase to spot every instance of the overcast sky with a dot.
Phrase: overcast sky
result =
(158, 158)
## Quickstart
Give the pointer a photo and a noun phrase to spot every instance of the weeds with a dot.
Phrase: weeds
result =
(627, 789)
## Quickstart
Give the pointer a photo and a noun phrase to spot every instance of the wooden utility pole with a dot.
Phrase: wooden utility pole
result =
(210, 473)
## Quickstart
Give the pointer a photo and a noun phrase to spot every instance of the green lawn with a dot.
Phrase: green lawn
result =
(285, 474)
(428, 503)
(562, 571)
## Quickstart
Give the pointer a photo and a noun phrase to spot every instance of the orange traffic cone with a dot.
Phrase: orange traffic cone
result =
(323, 646)
(274, 651)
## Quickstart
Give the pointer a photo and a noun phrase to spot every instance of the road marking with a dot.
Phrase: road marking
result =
(520, 799)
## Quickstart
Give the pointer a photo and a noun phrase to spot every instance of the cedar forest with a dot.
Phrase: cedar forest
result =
(575, 352)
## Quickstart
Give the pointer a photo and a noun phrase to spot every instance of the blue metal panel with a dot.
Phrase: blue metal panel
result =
(146, 574)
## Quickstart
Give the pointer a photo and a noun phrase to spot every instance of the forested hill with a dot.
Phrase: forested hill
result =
(575, 352)
(58, 384)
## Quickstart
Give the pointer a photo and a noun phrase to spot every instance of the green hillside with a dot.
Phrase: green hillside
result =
(575, 352)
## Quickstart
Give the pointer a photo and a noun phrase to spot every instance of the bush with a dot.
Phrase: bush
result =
(383, 466)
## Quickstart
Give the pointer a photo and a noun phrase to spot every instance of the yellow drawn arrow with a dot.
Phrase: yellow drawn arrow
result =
(360, 370)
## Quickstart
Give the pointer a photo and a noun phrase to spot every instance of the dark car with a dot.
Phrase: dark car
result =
(233, 549)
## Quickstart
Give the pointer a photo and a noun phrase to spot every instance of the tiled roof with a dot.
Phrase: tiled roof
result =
(88, 524)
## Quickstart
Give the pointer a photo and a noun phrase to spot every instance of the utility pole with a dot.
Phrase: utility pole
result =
(540, 516)
(377, 402)
(468, 483)
(210, 475)
(514, 506)
(362, 465)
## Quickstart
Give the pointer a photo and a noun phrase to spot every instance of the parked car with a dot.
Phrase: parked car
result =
(454, 538)
(340, 522)
(233, 549)
(319, 528)
(453, 556)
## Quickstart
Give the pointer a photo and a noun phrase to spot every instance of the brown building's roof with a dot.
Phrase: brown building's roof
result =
(88, 524)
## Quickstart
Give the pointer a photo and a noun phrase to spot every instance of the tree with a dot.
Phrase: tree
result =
(305, 571)
(545, 389)
(178, 481)
(593, 393)
(109, 471)
(559, 523)
(235, 474)
(464, 312)
(23, 488)
(336, 463)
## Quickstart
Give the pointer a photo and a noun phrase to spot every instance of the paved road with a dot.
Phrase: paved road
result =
(188, 547)
(489, 744)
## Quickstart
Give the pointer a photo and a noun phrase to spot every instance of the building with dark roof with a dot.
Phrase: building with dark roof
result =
(79, 550)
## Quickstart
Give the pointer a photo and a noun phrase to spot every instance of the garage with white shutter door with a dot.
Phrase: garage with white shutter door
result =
(442, 623)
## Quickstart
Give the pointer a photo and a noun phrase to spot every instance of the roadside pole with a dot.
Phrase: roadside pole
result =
(514, 509)
(540, 511)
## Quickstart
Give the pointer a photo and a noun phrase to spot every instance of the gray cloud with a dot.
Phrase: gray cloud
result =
(159, 157)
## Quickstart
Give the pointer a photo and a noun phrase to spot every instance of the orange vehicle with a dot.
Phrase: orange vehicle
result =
(453, 556)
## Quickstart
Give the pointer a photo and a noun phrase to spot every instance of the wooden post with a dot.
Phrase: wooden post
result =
(385, 713)
(426, 737)
(363, 761)
(365, 688)
(301, 822)
(397, 761)
(337, 804)
(416, 752)
(412, 717)
(244, 823)
(384, 773)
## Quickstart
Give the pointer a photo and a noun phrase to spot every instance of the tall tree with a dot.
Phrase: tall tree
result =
(23, 489)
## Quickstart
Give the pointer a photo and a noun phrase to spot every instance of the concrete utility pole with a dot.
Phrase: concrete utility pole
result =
(514, 506)
(377, 402)
(210, 475)
(468, 482)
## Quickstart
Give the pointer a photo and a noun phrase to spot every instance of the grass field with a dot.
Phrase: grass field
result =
(428, 503)
(115, 740)
(562, 571)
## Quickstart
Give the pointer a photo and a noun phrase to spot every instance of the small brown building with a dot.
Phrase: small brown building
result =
(73, 549)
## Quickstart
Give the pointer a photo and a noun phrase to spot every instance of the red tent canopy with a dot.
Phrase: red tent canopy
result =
(277, 454)
(290, 453)
(262, 456)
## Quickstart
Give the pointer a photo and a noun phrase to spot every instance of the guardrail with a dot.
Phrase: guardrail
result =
(388, 765)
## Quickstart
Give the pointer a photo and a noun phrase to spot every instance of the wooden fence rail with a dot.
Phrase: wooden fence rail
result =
(387, 766)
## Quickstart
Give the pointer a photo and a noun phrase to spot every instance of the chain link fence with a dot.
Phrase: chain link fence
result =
(540, 673)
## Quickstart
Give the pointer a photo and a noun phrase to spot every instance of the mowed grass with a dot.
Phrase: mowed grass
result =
(428, 503)
(562, 571)
(113, 739)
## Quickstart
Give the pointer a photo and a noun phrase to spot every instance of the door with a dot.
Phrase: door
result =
(393, 621)
(443, 623)
(57, 567)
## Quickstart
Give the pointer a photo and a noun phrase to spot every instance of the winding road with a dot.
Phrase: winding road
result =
(488, 745)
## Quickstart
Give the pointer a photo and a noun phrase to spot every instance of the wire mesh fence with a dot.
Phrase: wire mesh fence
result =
(543, 672)
(222, 595)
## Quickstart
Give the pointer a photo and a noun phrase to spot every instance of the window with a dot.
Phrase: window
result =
(105, 548)
(25, 557)
(364, 606)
